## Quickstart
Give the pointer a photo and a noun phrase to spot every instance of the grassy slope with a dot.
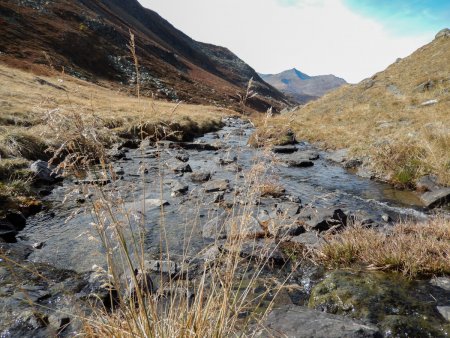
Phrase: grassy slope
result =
(27, 129)
(382, 121)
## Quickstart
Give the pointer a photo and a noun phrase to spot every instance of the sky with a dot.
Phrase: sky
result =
(352, 39)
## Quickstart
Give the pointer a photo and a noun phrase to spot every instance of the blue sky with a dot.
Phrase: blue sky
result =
(404, 17)
(352, 39)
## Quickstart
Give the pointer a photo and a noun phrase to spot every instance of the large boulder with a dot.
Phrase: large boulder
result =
(297, 321)
(44, 172)
(436, 198)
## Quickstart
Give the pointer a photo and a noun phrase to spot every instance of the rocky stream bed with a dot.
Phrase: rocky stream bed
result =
(48, 274)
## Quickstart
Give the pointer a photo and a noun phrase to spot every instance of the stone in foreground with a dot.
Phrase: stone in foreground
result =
(436, 198)
(297, 321)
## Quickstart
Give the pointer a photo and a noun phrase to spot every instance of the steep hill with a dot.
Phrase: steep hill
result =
(88, 39)
(397, 122)
(302, 87)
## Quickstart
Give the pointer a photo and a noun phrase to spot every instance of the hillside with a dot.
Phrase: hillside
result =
(397, 122)
(88, 39)
(302, 87)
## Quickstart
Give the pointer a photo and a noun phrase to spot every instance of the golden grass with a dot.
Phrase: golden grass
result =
(35, 113)
(413, 249)
(383, 116)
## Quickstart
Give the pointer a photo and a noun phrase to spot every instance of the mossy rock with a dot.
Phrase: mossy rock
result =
(398, 305)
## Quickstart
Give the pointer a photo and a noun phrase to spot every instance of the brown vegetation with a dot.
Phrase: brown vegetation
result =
(413, 249)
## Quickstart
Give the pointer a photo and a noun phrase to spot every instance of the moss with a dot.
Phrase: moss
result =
(377, 297)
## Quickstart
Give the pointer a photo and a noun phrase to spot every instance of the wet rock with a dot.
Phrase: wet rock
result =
(7, 232)
(436, 198)
(386, 218)
(130, 144)
(100, 182)
(198, 146)
(214, 228)
(156, 202)
(183, 157)
(179, 188)
(261, 250)
(119, 171)
(216, 185)
(38, 245)
(288, 208)
(58, 321)
(178, 166)
(98, 289)
(116, 153)
(244, 226)
(200, 176)
(392, 301)
(322, 219)
(338, 156)
(442, 282)
(297, 321)
(299, 163)
(16, 219)
(427, 183)
(282, 228)
(308, 239)
(226, 160)
(43, 172)
(289, 149)
(31, 293)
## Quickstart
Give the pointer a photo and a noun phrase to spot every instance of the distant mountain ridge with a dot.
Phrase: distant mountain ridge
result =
(301, 86)
(89, 38)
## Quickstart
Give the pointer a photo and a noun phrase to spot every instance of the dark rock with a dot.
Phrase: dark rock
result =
(38, 245)
(297, 321)
(200, 176)
(284, 149)
(216, 185)
(299, 163)
(130, 144)
(283, 228)
(43, 172)
(179, 188)
(183, 157)
(100, 182)
(427, 183)
(229, 159)
(322, 219)
(436, 198)
(16, 219)
(178, 166)
(7, 232)
(59, 321)
(197, 146)
(116, 153)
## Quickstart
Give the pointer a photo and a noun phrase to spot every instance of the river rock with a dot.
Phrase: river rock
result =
(283, 228)
(427, 183)
(436, 198)
(261, 250)
(183, 157)
(200, 176)
(198, 146)
(179, 188)
(244, 226)
(310, 240)
(162, 266)
(43, 172)
(216, 185)
(214, 228)
(297, 321)
(16, 219)
(289, 149)
(338, 156)
(322, 219)
(289, 209)
(178, 166)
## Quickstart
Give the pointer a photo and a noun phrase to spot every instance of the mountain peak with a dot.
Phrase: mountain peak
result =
(300, 75)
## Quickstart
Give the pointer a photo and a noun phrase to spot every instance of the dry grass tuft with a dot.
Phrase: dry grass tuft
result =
(8, 167)
(412, 249)
(23, 144)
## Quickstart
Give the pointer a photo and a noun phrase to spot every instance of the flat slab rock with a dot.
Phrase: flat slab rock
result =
(436, 198)
(216, 185)
(297, 321)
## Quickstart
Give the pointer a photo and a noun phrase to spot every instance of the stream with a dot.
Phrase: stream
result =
(64, 238)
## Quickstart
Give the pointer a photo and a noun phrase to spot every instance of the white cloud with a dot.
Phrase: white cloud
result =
(317, 37)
